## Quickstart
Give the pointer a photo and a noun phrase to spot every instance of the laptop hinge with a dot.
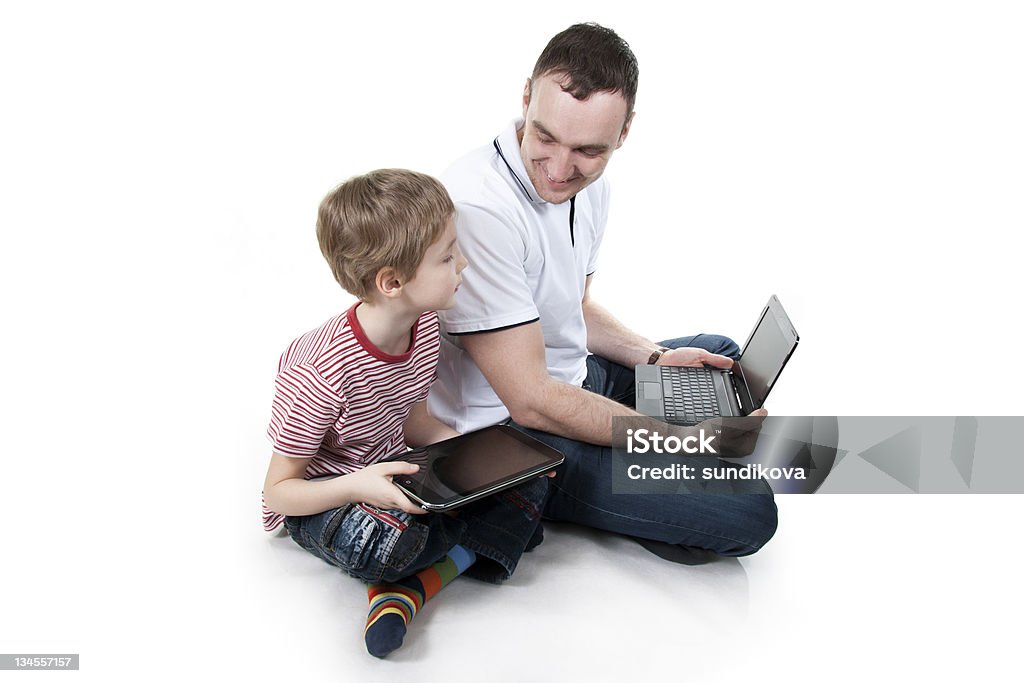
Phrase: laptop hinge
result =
(742, 390)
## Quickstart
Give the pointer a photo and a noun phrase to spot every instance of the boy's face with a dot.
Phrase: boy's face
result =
(437, 278)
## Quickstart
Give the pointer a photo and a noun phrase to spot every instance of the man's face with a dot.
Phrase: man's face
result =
(566, 143)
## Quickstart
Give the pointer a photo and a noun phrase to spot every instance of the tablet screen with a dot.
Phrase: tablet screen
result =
(478, 461)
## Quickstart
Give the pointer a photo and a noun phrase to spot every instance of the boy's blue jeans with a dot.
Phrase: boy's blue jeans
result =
(737, 522)
(377, 545)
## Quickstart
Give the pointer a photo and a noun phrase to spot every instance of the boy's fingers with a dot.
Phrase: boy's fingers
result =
(398, 467)
(406, 505)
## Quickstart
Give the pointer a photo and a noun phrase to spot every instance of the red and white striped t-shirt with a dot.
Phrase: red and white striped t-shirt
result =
(342, 402)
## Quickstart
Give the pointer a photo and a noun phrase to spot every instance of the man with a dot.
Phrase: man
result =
(532, 211)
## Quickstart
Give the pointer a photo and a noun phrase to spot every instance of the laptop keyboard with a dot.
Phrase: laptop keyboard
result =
(689, 394)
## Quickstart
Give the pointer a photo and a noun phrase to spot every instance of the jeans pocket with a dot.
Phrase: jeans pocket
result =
(386, 518)
(370, 543)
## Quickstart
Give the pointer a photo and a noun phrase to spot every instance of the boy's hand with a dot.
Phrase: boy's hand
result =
(373, 485)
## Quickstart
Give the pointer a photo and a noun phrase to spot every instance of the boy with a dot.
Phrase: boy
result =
(353, 392)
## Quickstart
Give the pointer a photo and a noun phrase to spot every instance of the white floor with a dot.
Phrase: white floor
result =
(851, 587)
(880, 587)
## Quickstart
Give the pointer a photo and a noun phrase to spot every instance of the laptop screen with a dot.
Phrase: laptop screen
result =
(766, 352)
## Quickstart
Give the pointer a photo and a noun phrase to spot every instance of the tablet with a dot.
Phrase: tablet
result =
(467, 467)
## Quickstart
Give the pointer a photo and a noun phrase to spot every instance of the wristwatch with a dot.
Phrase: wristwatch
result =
(656, 355)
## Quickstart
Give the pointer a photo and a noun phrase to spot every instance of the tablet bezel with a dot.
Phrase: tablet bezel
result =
(431, 500)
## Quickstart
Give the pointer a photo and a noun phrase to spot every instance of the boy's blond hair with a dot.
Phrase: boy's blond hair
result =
(385, 218)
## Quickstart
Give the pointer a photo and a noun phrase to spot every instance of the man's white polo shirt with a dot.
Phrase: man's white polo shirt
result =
(528, 262)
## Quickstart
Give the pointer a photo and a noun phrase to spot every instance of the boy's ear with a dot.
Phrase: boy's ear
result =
(388, 283)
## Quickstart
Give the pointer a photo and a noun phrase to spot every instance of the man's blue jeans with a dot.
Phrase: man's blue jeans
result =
(736, 523)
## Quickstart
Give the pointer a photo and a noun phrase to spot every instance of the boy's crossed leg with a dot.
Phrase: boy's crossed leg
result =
(393, 605)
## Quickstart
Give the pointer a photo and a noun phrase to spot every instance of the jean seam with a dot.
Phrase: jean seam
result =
(330, 529)
(653, 521)
(407, 559)
(491, 553)
(526, 506)
(622, 397)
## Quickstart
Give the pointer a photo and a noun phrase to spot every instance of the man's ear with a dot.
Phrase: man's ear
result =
(625, 129)
(388, 283)
(526, 96)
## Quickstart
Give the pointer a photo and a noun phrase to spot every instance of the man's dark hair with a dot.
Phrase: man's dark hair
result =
(593, 59)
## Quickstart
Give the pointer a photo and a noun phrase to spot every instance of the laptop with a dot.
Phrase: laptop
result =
(686, 396)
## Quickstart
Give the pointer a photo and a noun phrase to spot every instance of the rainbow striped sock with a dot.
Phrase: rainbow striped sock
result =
(393, 605)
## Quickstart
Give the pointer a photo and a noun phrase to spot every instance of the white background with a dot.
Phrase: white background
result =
(160, 170)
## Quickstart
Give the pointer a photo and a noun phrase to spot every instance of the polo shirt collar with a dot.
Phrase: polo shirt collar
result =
(511, 158)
